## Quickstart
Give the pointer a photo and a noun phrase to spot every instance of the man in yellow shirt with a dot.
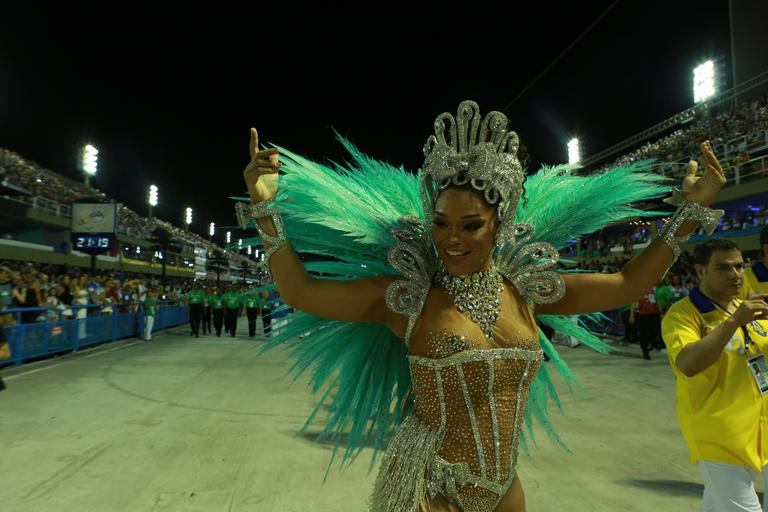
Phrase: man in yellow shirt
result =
(716, 344)
(756, 276)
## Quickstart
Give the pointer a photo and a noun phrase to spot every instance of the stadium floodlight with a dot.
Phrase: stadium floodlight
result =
(229, 236)
(90, 162)
(704, 81)
(574, 155)
(188, 217)
(152, 198)
(152, 195)
(211, 229)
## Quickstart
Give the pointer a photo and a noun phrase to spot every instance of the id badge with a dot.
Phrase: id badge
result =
(759, 371)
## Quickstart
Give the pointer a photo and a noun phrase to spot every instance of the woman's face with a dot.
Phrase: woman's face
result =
(464, 230)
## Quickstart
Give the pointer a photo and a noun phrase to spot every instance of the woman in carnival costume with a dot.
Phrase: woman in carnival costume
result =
(427, 333)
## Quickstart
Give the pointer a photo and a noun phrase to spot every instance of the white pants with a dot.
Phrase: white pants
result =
(82, 315)
(149, 321)
(730, 488)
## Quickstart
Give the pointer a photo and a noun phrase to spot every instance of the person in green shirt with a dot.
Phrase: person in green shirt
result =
(217, 306)
(207, 297)
(664, 294)
(195, 300)
(266, 313)
(678, 290)
(150, 310)
(253, 305)
(243, 293)
(232, 301)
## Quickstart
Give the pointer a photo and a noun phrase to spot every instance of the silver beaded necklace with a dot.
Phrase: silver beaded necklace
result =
(477, 295)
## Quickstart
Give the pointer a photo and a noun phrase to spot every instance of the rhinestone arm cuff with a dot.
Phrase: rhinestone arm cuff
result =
(251, 212)
(687, 210)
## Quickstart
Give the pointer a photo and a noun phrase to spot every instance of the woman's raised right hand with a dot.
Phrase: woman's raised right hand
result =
(261, 172)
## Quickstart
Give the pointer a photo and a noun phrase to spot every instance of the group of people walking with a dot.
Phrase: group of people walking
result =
(224, 306)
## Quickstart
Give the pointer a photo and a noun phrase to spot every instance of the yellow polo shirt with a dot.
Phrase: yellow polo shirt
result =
(723, 416)
(755, 280)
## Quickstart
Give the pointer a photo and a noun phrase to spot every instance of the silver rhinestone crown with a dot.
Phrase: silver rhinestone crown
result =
(475, 150)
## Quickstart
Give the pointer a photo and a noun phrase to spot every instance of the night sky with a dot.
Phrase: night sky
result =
(168, 96)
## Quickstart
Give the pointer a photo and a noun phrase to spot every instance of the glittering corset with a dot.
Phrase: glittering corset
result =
(476, 400)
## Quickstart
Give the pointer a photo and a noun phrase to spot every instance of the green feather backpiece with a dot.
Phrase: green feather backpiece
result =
(360, 371)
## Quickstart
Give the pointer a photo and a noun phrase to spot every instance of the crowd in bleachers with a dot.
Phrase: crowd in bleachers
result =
(683, 267)
(42, 182)
(735, 219)
(57, 288)
(639, 232)
(750, 120)
(602, 244)
(45, 183)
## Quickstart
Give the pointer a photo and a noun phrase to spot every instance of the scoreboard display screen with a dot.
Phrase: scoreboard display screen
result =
(93, 242)
(93, 227)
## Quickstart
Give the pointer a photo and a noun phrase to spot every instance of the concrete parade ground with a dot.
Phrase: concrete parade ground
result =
(207, 424)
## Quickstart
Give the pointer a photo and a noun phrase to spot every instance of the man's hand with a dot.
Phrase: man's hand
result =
(754, 307)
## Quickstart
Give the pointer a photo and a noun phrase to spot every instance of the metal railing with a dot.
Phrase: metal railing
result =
(752, 169)
(752, 142)
(744, 171)
(69, 329)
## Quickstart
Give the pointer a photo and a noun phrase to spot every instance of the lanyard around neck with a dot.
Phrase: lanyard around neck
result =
(755, 325)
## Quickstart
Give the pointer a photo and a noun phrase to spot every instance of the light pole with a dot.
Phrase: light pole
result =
(188, 218)
(574, 154)
(152, 199)
(704, 81)
(90, 161)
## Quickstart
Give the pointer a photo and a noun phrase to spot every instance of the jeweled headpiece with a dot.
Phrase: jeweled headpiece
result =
(479, 151)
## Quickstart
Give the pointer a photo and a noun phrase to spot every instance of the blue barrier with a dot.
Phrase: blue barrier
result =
(38, 339)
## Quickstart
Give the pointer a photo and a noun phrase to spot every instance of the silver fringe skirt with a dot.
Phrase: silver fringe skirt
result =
(401, 484)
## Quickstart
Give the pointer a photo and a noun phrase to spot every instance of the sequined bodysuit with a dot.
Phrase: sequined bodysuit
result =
(461, 442)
